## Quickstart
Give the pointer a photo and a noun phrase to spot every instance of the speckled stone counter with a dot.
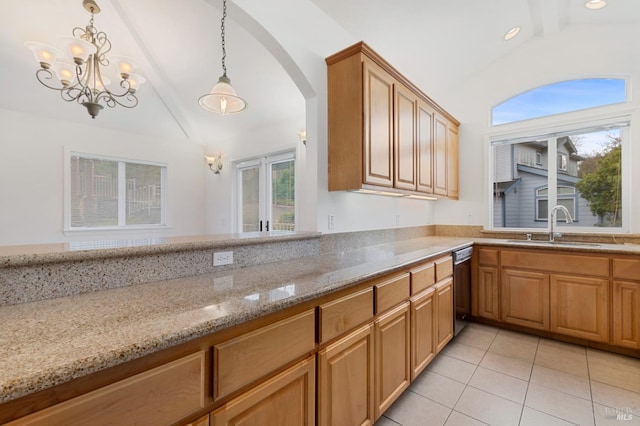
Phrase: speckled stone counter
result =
(49, 342)
(37, 272)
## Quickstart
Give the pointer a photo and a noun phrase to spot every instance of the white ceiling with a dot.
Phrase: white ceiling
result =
(435, 43)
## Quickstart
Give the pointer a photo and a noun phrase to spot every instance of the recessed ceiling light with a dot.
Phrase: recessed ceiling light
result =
(512, 33)
(595, 4)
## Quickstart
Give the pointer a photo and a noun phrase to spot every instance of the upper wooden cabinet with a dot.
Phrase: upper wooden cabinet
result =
(378, 126)
(384, 132)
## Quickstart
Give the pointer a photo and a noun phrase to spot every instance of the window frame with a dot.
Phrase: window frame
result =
(577, 121)
(68, 229)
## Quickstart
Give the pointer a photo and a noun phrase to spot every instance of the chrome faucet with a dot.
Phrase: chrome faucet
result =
(552, 221)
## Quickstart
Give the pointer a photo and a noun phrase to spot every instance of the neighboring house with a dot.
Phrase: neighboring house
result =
(521, 186)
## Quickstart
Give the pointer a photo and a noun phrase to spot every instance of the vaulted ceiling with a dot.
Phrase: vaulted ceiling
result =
(437, 44)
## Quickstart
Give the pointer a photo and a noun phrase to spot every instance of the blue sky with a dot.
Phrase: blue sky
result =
(556, 98)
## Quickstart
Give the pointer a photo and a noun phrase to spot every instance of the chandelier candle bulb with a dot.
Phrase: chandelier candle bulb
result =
(45, 55)
(79, 49)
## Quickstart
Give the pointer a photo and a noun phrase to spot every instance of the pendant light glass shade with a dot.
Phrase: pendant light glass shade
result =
(223, 98)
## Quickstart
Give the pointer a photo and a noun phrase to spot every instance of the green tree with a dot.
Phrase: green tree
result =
(601, 185)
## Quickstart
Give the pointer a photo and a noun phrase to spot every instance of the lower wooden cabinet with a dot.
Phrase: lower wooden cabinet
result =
(626, 314)
(163, 395)
(346, 380)
(485, 300)
(423, 345)
(444, 313)
(580, 307)
(239, 361)
(525, 298)
(202, 421)
(392, 357)
(285, 400)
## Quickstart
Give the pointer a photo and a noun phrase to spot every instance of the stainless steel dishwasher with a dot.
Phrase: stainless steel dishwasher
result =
(461, 287)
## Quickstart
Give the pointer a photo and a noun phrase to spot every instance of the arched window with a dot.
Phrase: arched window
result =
(557, 98)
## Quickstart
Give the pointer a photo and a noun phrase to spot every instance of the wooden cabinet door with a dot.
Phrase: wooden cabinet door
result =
(626, 314)
(452, 161)
(444, 313)
(486, 298)
(580, 307)
(404, 147)
(392, 357)
(162, 395)
(345, 380)
(524, 298)
(285, 400)
(378, 125)
(202, 421)
(440, 134)
(424, 145)
(423, 345)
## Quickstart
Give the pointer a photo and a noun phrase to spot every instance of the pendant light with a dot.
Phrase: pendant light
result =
(223, 98)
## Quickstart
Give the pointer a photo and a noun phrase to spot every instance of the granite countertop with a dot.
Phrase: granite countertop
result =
(49, 342)
(584, 247)
(22, 255)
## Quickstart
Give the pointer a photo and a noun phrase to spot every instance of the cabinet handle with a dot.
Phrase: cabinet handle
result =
(267, 226)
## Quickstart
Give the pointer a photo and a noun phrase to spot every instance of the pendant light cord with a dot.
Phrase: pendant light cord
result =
(224, 51)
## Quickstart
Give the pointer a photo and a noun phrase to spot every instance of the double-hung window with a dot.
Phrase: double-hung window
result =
(580, 163)
(112, 193)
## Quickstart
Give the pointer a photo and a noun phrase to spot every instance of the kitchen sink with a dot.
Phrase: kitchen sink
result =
(555, 243)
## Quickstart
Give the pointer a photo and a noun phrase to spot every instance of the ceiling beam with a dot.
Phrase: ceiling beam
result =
(548, 16)
(156, 74)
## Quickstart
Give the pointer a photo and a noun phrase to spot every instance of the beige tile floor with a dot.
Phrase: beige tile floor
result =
(490, 376)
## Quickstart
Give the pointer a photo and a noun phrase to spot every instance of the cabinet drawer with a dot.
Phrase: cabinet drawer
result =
(162, 395)
(422, 277)
(488, 257)
(344, 314)
(628, 269)
(392, 292)
(444, 268)
(556, 262)
(240, 361)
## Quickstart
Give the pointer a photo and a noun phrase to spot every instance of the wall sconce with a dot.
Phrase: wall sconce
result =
(214, 162)
(302, 134)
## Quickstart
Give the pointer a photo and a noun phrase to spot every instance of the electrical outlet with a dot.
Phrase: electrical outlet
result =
(332, 220)
(222, 258)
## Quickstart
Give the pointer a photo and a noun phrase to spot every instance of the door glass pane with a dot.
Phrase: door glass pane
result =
(283, 203)
(144, 194)
(94, 192)
(250, 182)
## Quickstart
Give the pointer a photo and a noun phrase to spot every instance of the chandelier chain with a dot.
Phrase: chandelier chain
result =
(224, 50)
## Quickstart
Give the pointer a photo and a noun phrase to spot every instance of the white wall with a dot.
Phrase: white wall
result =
(305, 36)
(32, 150)
(220, 189)
(570, 54)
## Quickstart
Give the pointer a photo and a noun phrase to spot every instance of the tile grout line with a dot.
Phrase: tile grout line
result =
(524, 402)
(593, 405)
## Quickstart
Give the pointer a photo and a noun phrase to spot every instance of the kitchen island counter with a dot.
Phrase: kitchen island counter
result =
(50, 342)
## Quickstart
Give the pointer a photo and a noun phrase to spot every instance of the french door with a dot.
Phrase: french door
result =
(267, 194)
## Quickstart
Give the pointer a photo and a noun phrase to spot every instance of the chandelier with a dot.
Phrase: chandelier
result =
(86, 80)
(223, 98)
